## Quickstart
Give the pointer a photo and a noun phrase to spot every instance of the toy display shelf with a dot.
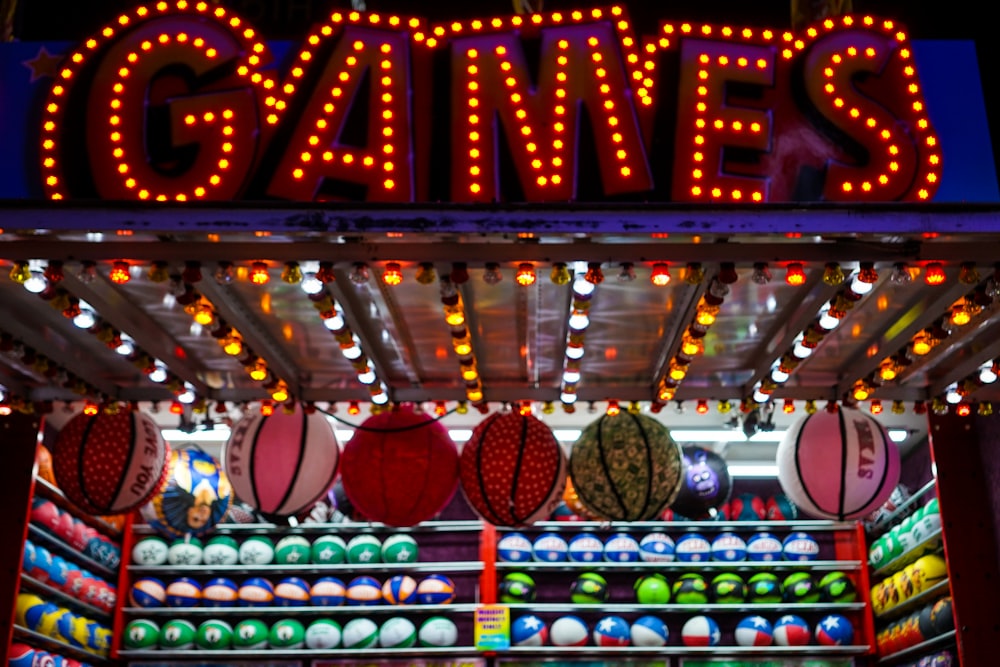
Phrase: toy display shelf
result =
(56, 596)
(248, 529)
(623, 652)
(46, 643)
(688, 609)
(913, 603)
(929, 544)
(902, 511)
(254, 612)
(685, 526)
(919, 650)
(218, 657)
(49, 491)
(314, 568)
(721, 566)
(57, 546)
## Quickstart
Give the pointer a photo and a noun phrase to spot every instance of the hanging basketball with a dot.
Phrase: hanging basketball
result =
(626, 467)
(512, 470)
(110, 464)
(282, 463)
(195, 498)
(400, 468)
(839, 465)
(707, 484)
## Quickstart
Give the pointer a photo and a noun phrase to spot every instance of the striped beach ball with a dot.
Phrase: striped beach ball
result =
(512, 469)
(282, 464)
(839, 465)
(400, 468)
(110, 464)
(626, 467)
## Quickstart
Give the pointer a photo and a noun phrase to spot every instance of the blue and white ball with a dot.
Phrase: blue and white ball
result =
(754, 631)
(550, 548)
(834, 630)
(621, 548)
(729, 548)
(514, 548)
(585, 548)
(800, 546)
(693, 548)
(649, 631)
(656, 548)
(612, 631)
(791, 630)
(529, 631)
(569, 631)
(764, 547)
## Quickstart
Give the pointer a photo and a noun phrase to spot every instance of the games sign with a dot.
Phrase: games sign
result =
(183, 101)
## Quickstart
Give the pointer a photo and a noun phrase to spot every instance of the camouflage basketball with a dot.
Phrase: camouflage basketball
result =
(626, 467)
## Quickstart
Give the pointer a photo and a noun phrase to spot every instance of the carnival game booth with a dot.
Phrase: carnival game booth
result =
(268, 400)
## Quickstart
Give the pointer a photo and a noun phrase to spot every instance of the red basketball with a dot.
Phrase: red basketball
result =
(513, 470)
(110, 464)
(282, 463)
(400, 467)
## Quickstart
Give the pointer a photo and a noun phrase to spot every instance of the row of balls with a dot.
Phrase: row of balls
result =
(150, 592)
(692, 588)
(288, 634)
(906, 536)
(615, 631)
(922, 574)
(657, 548)
(932, 620)
(262, 550)
(74, 532)
(22, 655)
(61, 624)
(68, 577)
(939, 659)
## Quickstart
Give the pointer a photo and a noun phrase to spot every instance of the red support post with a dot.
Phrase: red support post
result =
(964, 450)
(19, 435)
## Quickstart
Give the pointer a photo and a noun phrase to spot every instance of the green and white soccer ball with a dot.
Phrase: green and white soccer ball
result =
(323, 633)
(399, 549)
(141, 634)
(364, 550)
(214, 635)
(292, 550)
(329, 550)
(287, 634)
(177, 635)
(397, 632)
(250, 634)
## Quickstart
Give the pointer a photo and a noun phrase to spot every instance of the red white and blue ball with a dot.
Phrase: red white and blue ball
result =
(729, 548)
(529, 631)
(834, 630)
(656, 548)
(550, 548)
(693, 548)
(569, 631)
(649, 631)
(791, 630)
(220, 592)
(514, 548)
(764, 547)
(586, 548)
(754, 631)
(701, 631)
(621, 548)
(800, 546)
(612, 631)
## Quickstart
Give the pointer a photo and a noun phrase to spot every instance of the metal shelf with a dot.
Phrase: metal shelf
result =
(49, 491)
(51, 594)
(686, 526)
(46, 643)
(53, 543)
(941, 641)
(367, 654)
(936, 591)
(738, 566)
(352, 610)
(887, 521)
(326, 528)
(899, 562)
(559, 607)
(349, 568)
(564, 652)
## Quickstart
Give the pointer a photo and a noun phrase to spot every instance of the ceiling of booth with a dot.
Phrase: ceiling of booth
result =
(518, 334)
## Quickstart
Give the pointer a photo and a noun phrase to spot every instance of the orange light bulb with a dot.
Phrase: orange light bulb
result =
(525, 274)
(934, 273)
(393, 274)
(795, 274)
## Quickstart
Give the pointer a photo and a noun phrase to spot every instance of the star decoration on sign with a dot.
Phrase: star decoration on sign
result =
(43, 64)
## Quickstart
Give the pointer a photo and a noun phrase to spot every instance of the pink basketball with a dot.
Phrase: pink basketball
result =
(283, 463)
(838, 465)
(400, 467)
(110, 464)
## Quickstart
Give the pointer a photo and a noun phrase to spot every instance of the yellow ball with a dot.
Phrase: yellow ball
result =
(26, 602)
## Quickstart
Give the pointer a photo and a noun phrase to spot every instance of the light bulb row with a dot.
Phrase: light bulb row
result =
(461, 340)
(584, 286)
(37, 363)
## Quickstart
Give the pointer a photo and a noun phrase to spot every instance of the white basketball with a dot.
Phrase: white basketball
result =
(150, 551)
(438, 631)
(656, 548)
(360, 633)
(323, 633)
(397, 632)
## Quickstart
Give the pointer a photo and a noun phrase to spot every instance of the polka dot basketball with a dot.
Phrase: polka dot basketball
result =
(512, 469)
(110, 464)
(626, 467)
